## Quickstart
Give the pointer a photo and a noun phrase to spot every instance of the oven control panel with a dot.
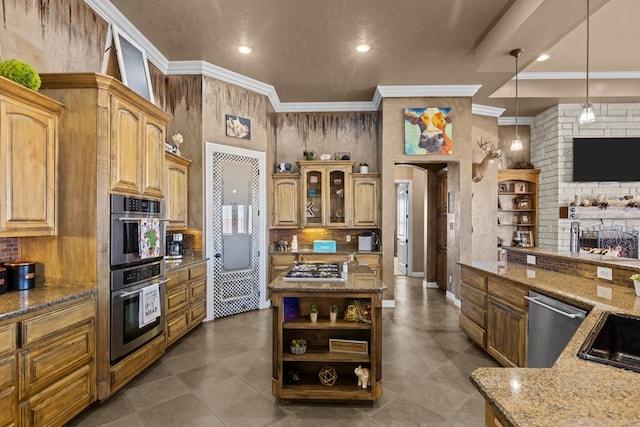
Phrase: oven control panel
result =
(124, 277)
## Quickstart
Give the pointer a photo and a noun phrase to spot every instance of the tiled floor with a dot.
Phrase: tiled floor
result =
(220, 375)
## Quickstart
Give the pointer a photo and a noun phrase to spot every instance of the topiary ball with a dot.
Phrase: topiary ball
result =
(21, 73)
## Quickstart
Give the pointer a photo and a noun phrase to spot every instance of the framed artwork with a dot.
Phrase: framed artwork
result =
(525, 219)
(520, 187)
(132, 60)
(238, 127)
(503, 188)
(516, 219)
(522, 204)
(526, 239)
(427, 131)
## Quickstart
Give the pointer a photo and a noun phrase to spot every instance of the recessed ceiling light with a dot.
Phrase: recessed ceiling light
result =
(245, 50)
(362, 48)
(543, 57)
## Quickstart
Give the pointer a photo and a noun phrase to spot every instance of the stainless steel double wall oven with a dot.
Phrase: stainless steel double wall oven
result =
(133, 271)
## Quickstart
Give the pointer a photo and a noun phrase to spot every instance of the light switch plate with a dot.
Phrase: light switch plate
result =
(605, 273)
(531, 259)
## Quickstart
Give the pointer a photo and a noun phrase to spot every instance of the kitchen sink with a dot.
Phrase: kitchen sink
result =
(615, 341)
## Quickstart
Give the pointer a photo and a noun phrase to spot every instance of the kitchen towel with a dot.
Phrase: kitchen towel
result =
(149, 305)
(149, 238)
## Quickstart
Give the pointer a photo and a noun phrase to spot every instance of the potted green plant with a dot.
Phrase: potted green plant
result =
(333, 312)
(313, 312)
(298, 346)
(21, 73)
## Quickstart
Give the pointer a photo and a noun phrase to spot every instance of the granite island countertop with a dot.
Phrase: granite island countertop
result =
(574, 392)
(359, 278)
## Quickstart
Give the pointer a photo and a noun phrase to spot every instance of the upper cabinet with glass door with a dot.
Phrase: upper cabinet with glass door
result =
(326, 193)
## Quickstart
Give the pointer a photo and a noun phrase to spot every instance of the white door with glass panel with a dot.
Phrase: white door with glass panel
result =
(235, 231)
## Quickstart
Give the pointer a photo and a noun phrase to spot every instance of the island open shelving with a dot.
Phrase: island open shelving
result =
(362, 287)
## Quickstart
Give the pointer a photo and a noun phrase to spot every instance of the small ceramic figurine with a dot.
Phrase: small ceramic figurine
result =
(363, 376)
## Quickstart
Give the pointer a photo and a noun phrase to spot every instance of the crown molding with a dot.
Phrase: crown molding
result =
(580, 75)
(486, 110)
(427, 90)
(511, 121)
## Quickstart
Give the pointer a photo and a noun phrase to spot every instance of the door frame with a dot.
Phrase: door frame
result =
(409, 221)
(210, 149)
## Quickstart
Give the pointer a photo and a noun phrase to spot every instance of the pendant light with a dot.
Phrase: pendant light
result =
(587, 115)
(516, 144)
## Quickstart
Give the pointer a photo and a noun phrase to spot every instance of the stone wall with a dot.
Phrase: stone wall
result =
(552, 136)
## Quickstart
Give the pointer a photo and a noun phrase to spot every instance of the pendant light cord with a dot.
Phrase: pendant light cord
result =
(517, 55)
(587, 74)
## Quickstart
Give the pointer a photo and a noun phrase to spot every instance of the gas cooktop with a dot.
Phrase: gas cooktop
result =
(315, 272)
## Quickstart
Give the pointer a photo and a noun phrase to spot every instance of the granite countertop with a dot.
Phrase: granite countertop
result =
(16, 303)
(359, 278)
(574, 392)
(339, 251)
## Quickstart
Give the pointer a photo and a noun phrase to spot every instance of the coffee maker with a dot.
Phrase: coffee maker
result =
(175, 249)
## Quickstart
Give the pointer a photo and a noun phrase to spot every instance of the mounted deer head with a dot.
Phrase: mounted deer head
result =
(492, 153)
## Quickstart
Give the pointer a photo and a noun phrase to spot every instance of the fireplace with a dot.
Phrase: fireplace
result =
(614, 240)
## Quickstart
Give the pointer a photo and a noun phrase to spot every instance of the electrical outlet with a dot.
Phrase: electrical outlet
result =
(604, 292)
(348, 238)
(531, 274)
(605, 273)
(531, 259)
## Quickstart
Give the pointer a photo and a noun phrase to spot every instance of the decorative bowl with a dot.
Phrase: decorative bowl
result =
(298, 350)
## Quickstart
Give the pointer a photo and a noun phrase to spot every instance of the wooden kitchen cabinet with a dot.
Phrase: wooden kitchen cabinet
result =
(280, 263)
(285, 201)
(8, 376)
(137, 150)
(186, 300)
(373, 261)
(325, 193)
(176, 190)
(507, 320)
(366, 200)
(56, 364)
(28, 161)
(317, 334)
(473, 305)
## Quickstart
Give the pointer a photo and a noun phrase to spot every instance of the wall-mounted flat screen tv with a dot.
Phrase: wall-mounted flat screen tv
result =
(606, 159)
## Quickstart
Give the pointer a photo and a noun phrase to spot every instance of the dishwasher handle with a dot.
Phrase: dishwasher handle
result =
(535, 300)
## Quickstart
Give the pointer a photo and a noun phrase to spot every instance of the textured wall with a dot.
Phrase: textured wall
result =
(551, 151)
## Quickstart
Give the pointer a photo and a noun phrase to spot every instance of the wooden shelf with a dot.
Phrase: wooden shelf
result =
(322, 355)
(594, 212)
(324, 323)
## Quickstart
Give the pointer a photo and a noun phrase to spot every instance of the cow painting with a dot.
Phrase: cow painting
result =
(427, 131)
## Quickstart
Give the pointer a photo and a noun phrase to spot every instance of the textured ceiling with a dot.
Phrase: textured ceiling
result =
(305, 48)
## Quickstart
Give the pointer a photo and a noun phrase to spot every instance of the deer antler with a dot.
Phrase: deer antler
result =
(478, 169)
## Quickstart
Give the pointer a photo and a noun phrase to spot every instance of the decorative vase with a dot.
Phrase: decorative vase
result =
(333, 317)
(364, 169)
(636, 284)
(314, 317)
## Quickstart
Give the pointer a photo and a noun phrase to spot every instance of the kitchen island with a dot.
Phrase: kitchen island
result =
(333, 349)
(574, 392)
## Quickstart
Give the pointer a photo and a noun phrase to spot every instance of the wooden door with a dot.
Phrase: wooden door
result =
(441, 229)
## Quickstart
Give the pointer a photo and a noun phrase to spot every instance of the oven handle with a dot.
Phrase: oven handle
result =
(136, 219)
(128, 294)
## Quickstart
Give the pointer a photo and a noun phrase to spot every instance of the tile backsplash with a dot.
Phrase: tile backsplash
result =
(9, 249)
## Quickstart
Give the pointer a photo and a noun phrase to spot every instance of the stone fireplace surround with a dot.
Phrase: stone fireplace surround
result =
(552, 134)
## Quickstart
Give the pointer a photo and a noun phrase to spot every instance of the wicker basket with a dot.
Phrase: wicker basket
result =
(298, 350)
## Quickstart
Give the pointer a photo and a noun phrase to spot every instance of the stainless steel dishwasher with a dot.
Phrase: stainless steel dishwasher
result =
(552, 323)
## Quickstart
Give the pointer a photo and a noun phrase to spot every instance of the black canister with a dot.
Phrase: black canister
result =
(20, 275)
(3, 280)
